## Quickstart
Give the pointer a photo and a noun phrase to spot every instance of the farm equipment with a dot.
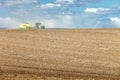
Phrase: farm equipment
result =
(39, 26)
(28, 26)
(25, 26)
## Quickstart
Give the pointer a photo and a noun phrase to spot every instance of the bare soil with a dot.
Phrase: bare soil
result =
(66, 54)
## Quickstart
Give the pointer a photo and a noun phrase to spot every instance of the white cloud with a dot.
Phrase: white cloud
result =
(67, 20)
(16, 2)
(56, 21)
(63, 21)
(60, 21)
(96, 10)
(9, 22)
(49, 5)
(116, 21)
(67, 1)
(50, 23)
(75, 2)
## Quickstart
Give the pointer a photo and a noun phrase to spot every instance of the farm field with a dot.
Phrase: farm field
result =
(65, 54)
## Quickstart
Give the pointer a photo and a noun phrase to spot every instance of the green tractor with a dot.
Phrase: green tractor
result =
(39, 26)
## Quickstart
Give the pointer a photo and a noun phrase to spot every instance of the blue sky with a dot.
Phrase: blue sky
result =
(60, 13)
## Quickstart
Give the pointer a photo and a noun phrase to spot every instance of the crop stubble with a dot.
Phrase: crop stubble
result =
(68, 54)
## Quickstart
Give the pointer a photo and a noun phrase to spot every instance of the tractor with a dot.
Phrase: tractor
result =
(39, 26)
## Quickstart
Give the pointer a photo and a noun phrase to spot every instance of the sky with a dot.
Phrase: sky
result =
(60, 13)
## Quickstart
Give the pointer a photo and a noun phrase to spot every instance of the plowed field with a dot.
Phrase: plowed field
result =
(68, 54)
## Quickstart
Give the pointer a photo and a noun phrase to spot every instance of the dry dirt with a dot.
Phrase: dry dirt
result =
(78, 54)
